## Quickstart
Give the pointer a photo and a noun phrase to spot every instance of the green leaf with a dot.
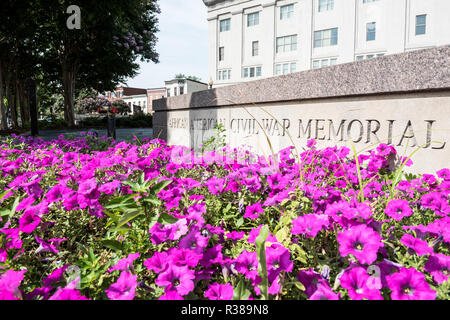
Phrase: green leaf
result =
(4, 212)
(156, 188)
(282, 234)
(2, 195)
(113, 244)
(122, 202)
(165, 218)
(299, 285)
(227, 208)
(128, 216)
(241, 292)
(262, 262)
(239, 222)
(14, 206)
(153, 200)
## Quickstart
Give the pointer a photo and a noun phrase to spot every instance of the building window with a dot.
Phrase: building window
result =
(252, 72)
(253, 19)
(325, 38)
(371, 31)
(278, 69)
(368, 56)
(368, 1)
(175, 91)
(286, 44)
(224, 74)
(255, 48)
(293, 67)
(326, 5)
(221, 53)
(324, 63)
(181, 90)
(285, 68)
(421, 24)
(286, 12)
(224, 25)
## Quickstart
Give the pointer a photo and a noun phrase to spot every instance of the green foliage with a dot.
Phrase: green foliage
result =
(217, 141)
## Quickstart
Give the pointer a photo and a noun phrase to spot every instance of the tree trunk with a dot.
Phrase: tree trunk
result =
(19, 104)
(24, 110)
(15, 122)
(4, 124)
(68, 74)
(8, 92)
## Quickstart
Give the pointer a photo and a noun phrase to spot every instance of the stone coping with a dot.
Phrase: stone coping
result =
(422, 70)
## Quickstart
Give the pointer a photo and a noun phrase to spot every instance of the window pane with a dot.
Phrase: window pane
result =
(293, 67)
(370, 56)
(371, 30)
(421, 24)
(278, 69)
(258, 71)
(252, 72)
(316, 64)
(333, 62)
(325, 63)
(224, 25)
(359, 58)
(285, 68)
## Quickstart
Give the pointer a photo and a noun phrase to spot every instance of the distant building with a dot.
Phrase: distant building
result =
(137, 103)
(154, 94)
(251, 39)
(122, 92)
(139, 100)
(178, 87)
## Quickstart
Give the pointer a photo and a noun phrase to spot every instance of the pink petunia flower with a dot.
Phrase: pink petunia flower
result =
(410, 284)
(310, 224)
(158, 262)
(218, 291)
(356, 282)
(125, 264)
(171, 295)
(438, 265)
(253, 211)
(29, 222)
(177, 278)
(9, 285)
(398, 209)
(124, 288)
(419, 246)
(247, 264)
(361, 241)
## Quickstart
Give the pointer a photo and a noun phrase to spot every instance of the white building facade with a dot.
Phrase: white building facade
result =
(137, 103)
(251, 39)
(178, 87)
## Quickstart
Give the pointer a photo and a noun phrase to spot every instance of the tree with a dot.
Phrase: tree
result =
(182, 76)
(103, 52)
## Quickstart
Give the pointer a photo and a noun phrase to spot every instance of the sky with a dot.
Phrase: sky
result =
(182, 44)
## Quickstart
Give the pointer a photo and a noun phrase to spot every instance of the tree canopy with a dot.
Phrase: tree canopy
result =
(113, 35)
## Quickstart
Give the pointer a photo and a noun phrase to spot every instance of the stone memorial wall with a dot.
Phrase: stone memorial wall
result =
(401, 100)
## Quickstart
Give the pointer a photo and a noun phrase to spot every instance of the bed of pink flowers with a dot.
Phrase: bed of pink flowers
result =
(89, 218)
